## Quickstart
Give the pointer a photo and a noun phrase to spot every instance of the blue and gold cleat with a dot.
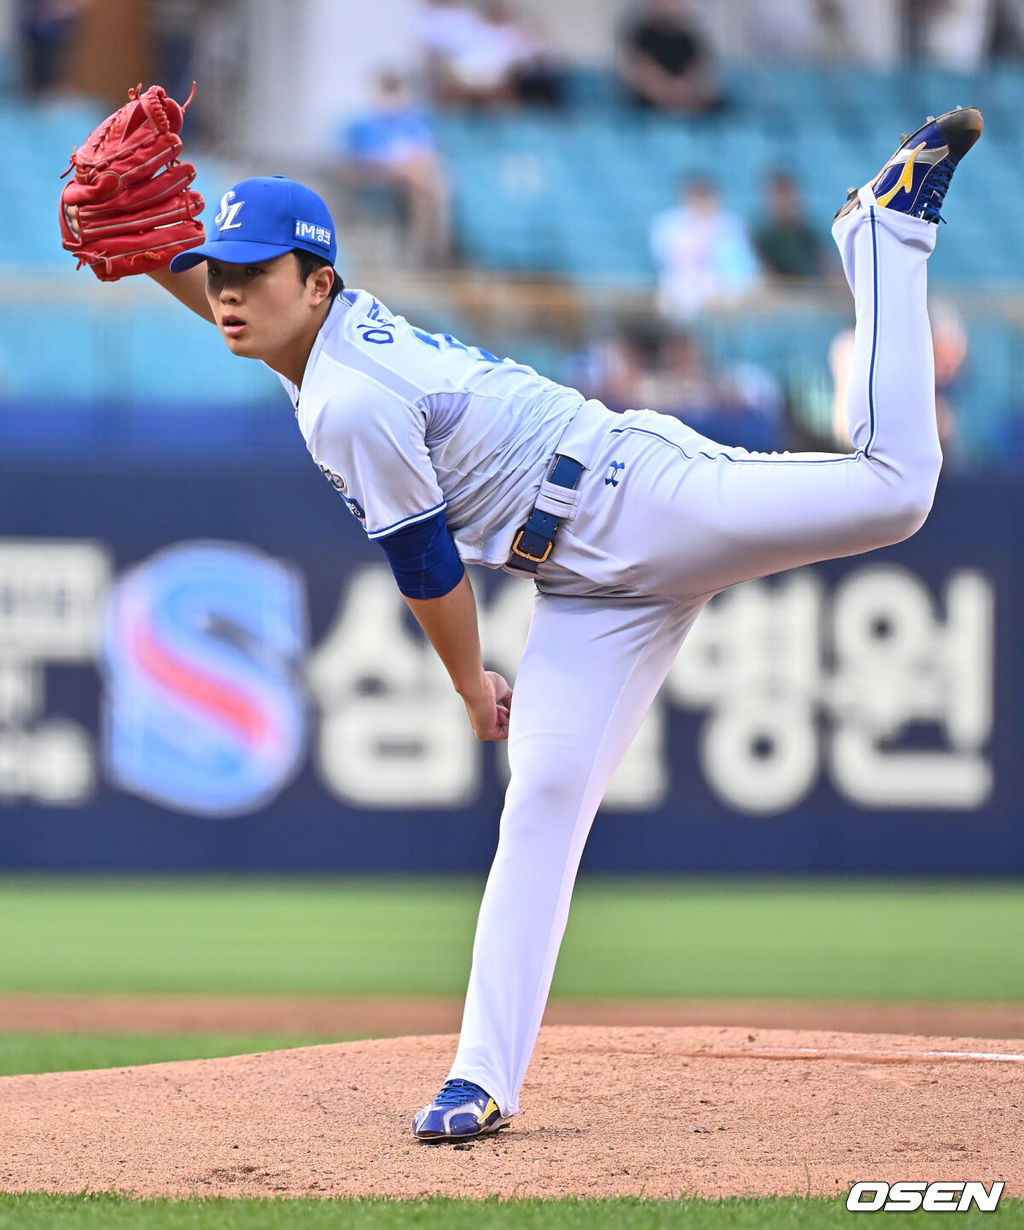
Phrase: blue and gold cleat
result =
(460, 1111)
(915, 179)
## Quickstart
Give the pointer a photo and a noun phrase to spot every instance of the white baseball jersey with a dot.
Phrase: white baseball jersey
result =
(406, 423)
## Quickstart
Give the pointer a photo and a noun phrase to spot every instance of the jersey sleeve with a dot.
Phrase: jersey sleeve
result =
(424, 558)
(374, 453)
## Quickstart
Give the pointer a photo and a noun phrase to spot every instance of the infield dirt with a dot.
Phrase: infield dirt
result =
(394, 1016)
(654, 1111)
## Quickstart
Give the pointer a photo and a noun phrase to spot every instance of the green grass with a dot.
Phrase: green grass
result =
(61, 1052)
(364, 937)
(39, 1212)
(784, 939)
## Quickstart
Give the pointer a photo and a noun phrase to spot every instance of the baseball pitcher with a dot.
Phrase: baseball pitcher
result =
(625, 523)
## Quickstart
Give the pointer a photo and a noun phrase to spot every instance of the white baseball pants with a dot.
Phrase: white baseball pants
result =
(631, 571)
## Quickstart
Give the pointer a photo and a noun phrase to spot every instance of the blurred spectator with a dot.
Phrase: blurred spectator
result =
(202, 41)
(393, 145)
(680, 381)
(220, 65)
(882, 34)
(1006, 41)
(786, 243)
(949, 339)
(646, 367)
(664, 61)
(742, 406)
(949, 343)
(175, 27)
(448, 31)
(840, 360)
(485, 55)
(790, 30)
(614, 368)
(867, 32)
(752, 410)
(48, 29)
(532, 76)
(702, 253)
(953, 34)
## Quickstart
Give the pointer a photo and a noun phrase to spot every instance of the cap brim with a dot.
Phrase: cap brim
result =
(230, 251)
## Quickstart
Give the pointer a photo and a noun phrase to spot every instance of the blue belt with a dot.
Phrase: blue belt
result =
(534, 541)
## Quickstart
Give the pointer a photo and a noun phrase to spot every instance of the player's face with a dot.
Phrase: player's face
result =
(264, 311)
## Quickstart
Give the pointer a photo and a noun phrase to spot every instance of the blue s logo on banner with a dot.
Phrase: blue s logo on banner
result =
(202, 652)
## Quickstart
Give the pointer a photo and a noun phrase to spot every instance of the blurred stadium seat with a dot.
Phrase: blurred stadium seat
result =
(523, 181)
(568, 193)
(601, 170)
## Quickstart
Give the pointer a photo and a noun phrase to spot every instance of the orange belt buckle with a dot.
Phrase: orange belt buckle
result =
(534, 559)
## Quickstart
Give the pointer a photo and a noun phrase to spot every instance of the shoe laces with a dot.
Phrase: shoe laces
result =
(457, 1092)
(935, 190)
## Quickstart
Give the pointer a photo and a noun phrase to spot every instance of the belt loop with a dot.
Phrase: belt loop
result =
(536, 537)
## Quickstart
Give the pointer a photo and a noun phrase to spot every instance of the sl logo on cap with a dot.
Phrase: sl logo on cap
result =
(312, 233)
(229, 212)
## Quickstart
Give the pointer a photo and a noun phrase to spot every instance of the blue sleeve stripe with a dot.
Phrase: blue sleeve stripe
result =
(431, 512)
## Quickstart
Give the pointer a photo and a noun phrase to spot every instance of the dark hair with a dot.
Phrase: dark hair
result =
(309, 263)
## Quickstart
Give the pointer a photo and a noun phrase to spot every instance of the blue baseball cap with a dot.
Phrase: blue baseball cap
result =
(262, 218)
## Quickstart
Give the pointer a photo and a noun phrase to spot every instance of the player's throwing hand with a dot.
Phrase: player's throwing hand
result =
(490, 709)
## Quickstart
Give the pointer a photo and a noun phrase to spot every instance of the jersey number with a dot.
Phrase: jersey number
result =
(382, 333)
(445, 341)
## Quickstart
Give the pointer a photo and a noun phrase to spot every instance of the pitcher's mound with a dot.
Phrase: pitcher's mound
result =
(607, 1112)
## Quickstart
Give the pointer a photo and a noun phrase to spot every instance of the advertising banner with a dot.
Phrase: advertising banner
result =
(213, 669)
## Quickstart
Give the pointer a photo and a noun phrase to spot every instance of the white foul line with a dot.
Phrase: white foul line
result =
(975, 1055)
(825, 1053)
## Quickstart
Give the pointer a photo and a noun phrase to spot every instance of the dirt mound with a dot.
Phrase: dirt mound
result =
(608, 1111)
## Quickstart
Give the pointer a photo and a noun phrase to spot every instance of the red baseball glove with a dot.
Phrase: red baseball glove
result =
(129, 208)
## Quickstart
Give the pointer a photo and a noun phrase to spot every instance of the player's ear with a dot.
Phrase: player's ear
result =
(320, 282)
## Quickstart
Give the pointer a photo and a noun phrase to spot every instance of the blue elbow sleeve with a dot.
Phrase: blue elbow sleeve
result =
(424, 559)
